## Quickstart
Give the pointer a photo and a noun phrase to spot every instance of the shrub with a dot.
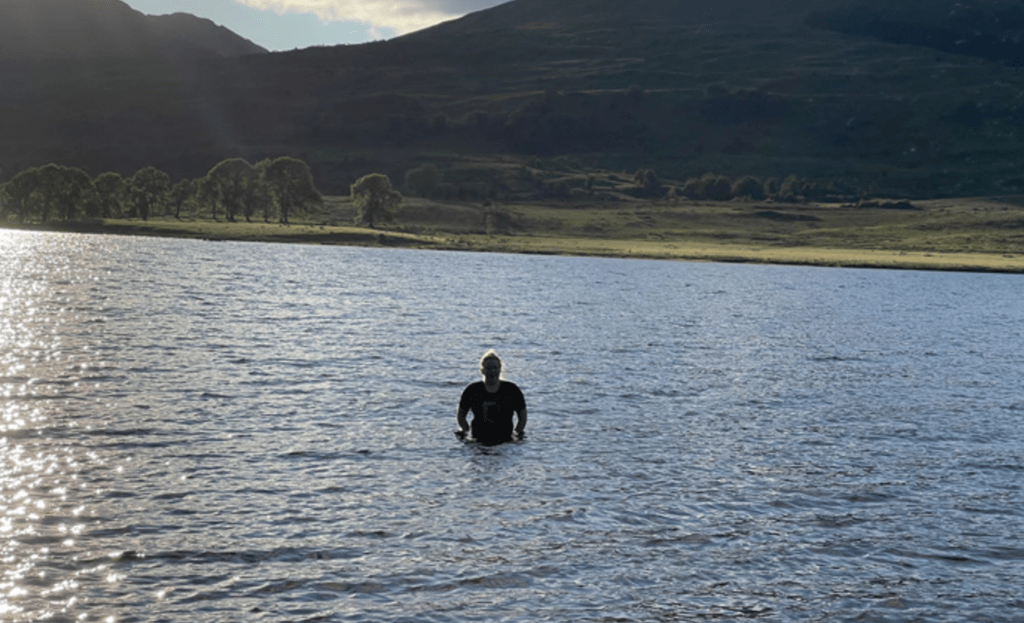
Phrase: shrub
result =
(647, 179)
(375, 198)
(719, 188)
(498, 220)
(792, 189)
(694, 188)
(748, 186)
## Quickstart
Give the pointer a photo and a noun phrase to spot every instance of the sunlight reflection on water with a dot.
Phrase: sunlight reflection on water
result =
(219, 431)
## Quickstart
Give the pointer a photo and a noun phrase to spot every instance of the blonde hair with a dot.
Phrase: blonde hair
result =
(490, 354)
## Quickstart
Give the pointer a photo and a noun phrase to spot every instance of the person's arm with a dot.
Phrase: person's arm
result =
(463, 424)
(521, 421)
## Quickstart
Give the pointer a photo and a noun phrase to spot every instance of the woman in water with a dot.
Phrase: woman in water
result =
(492, 401)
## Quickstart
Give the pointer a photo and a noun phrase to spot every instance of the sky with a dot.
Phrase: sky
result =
(289, 24)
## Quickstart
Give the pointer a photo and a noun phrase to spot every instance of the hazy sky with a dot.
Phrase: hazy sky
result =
(289, 24)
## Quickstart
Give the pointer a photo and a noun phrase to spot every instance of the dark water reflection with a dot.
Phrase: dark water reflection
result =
(223, 432)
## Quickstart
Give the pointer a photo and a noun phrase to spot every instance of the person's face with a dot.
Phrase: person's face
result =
(491, 369)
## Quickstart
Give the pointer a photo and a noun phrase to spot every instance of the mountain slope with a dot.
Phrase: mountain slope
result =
(90, 29)
(677, 12)
(186, 35)
(735, 87)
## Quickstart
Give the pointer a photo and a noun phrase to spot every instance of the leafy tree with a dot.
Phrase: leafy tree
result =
(748, 186)
(257, 199)
(46, 189)
(694, 188)
(260, 199)
(62, 188)
(19, 195)
(78, 191)
(208, 194)
(110, 190)
(148, 188)
(235, 180)
(708, 186)
(375, 198)
(718, 187)
(792, 189)
(423, 181)
(181, 193)
(498, 220)
(90, 202)
(290, 181)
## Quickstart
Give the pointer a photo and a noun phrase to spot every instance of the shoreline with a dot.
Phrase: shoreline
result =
(538, 244)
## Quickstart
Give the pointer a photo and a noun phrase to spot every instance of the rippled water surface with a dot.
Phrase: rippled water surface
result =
(196, 431)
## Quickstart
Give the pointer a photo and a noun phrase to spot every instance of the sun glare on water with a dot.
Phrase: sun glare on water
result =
(38, 468)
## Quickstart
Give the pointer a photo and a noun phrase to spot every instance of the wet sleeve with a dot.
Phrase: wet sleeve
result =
(466, 401)
(518, 400)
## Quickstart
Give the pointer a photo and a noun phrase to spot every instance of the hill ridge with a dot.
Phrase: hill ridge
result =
(92, 29)
(764, 92)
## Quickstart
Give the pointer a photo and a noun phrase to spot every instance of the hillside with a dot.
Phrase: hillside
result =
(680, 13)
(821, 90)
(108, 29)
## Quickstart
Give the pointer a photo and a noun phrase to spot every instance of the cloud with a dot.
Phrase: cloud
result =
(399, 16)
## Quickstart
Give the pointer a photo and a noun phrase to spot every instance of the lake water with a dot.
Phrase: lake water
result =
(201, 431)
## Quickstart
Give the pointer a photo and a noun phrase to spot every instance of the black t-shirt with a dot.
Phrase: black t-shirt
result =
(492, 413)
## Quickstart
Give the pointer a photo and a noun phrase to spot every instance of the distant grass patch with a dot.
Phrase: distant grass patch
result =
(953, 234)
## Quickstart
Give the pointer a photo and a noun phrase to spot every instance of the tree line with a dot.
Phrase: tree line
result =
(272, 189)
(716, 187)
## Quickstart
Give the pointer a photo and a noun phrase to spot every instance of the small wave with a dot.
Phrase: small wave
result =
(122, 432)
(38, 397)
(1007, 553)
(834, 358)
(1009, 467)
(838, 521)
(498, 581)
(367, 587)
(682, 539)
(948, 556)
(375, 534)
(214, 396)
(173, 496)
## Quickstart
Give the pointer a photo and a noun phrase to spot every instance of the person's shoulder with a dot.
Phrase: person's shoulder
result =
(473, 387)
(511, 385)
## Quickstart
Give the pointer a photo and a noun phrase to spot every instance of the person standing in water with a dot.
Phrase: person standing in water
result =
(492, 401)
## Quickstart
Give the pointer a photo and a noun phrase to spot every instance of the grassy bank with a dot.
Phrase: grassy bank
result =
(954, 234)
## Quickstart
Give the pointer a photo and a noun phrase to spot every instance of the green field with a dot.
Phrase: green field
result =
(952, 234)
